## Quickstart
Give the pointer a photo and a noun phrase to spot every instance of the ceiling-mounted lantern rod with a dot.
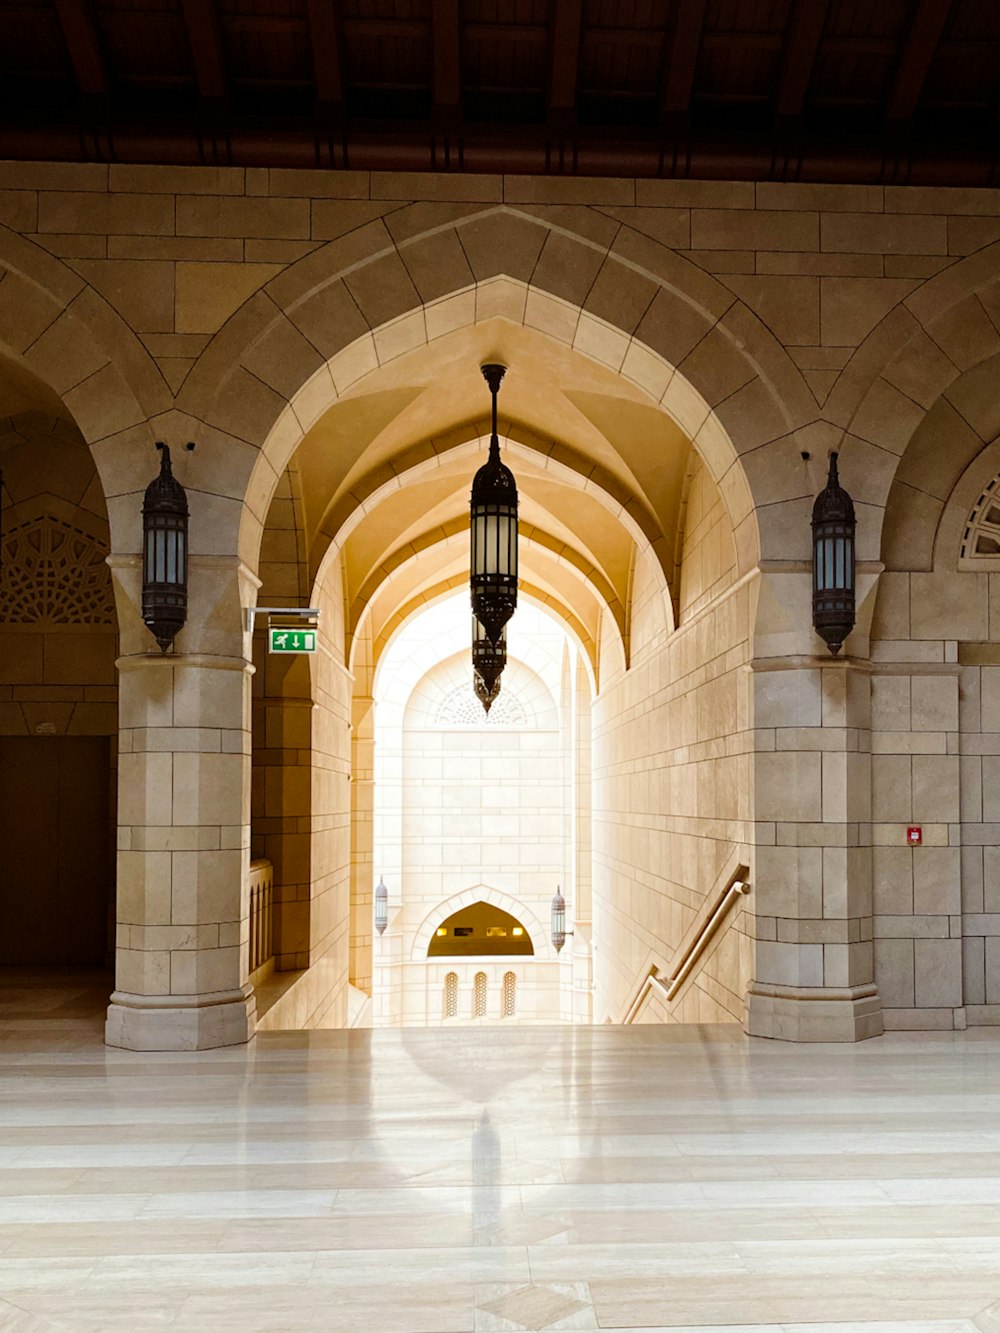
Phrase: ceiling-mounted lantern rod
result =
(833, 528)
(493, 576)
(164, 553)
(488, 662)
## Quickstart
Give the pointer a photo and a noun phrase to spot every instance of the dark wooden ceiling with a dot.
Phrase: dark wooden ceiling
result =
(843, 90)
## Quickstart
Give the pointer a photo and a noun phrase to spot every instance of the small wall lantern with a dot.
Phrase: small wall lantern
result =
(493, 512)
(833, 526)
(381, 906)
(558, 927)
(164, 554)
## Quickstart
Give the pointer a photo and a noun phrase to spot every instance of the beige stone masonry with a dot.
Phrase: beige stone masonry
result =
(236, 306)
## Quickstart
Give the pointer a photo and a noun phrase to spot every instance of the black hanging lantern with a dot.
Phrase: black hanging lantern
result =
(164, 554)
(381, 906)
(558, 921)
(833, 525)
(488, 661)
(493, 581)
(486, 697)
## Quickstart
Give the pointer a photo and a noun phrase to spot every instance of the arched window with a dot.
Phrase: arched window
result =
(451, 995)
(479, 996)
(982, 532)
(461, 708)
(479, 929)
(509, 995)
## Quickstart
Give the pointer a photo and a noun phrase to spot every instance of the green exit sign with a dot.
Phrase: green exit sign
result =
(291, 640)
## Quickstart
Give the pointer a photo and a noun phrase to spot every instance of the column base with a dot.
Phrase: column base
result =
(180, 1022)
(813, 1013)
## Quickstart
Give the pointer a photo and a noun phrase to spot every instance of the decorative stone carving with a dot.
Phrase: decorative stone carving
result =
(982, 532)
(53, 573)
(461, 708)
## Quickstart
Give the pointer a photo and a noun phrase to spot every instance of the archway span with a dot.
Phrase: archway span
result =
(530, 595)
(627, 304)
(465, 445)
(407, 663)
(680, 404)
(921, 379)
(57, 327)
(452, 542)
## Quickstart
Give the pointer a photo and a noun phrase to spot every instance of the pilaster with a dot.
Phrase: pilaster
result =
(814, 978)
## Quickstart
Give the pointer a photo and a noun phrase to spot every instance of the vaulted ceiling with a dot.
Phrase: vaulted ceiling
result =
(382, 480)
(867, 90)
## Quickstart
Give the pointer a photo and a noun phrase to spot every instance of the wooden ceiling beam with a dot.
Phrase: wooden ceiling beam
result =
(918, 51)
(682, 58)
(567, 26)
(80, 32)
(327, 52)
(799, 57)
(202, 25)
(447, 48)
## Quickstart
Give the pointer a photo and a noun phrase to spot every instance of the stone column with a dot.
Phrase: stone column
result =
(183, 821)
(814, 973)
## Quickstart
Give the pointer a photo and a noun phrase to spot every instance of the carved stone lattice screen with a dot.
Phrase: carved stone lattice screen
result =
(451, 995)
(982, 532)
(54, 574)
(461, 708)
(479, 995)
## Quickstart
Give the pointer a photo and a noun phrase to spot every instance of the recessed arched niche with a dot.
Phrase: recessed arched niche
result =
(477, 930)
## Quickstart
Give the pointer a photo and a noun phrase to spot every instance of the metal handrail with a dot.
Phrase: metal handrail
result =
(686, 955)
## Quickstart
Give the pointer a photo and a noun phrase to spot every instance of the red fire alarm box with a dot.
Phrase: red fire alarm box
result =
(914, 835)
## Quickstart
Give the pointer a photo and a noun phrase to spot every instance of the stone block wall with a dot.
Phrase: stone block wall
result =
(768, 320)
(672, 772)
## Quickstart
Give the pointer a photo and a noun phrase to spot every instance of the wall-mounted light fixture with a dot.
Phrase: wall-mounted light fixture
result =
(164, 553)
(833, 527)
(381, 906)
(493, 506)
(558, 924)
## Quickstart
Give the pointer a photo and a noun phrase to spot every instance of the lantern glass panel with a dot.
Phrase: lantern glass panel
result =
(558, 919)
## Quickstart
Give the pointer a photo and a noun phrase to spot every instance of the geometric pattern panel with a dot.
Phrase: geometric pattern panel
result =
(982, 532)
(461, 708)
(52, 573)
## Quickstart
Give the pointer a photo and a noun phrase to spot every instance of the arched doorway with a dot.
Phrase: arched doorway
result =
(373, 511)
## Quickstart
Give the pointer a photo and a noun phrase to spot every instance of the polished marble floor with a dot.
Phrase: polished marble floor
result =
(479, 1180)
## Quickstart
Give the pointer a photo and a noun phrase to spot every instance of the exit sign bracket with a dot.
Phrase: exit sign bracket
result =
(297, 630)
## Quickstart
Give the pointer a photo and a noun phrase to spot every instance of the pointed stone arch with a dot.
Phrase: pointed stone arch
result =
(62, 331)
(926, 360)
(612, 294)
